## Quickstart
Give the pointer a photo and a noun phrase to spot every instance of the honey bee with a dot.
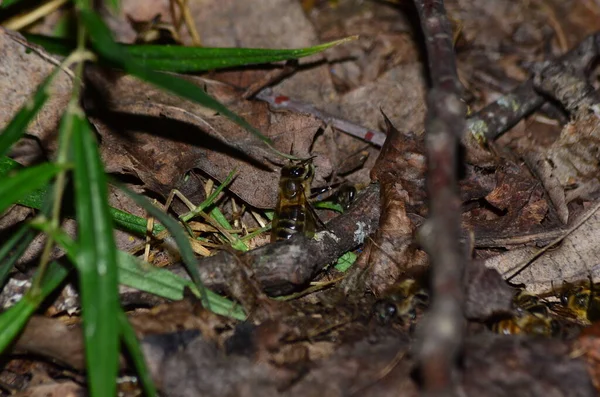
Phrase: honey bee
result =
(579, 302)
(531, 317)
(293, 213)
(402, 300)
(346, 195)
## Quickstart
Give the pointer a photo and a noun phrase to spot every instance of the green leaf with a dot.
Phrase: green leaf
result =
(136, 354)
(122, 219)
(15, 187)
(345, 261)
(187, 254)
(8, 3)
(182, 59)
(145, 277)
(54, 45)
(132, 223)
(96, 260)
(18, 125)
(328, 205)
(12, 249)
(197, 59)
(14, 319)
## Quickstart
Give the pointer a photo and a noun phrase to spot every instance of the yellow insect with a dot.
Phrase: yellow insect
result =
(580, 302)
(531, 317)
(293, 213)
(403, 299)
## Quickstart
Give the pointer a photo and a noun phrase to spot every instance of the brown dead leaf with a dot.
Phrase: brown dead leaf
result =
(385, 40)
(400, 170)
(569, 168)
(519, 197)
(158, 138)
(574, 259)
(399, 93)
(266, 24)
(22, 69)
(54, 389)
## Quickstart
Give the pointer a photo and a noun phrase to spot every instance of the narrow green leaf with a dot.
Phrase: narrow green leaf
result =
(181, 59)
(12, 249)
(187, 254)
(145, 277)
(136, 354)
(132, 223)
(14, 319)
(96, 260)
(197, 59)
(18, 125)
(328, 205)
(8, 3)
(25, 181)
(209, 200)
(54, 45)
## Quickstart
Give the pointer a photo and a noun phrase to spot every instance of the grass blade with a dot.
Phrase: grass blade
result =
(145, 277)
(181, 59)
(198, 59)
(12, 249)
(25, 181)
(187, 254)
(96, 260)
(14, 319)
(137, 356)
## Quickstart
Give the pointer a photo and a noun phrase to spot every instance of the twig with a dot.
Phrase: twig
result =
(441, 334)
(522, 266)
(498, 117)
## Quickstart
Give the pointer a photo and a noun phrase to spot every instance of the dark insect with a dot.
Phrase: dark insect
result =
(401, 301)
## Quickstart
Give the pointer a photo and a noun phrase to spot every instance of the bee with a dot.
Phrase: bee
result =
(579, 302)
(402, 300)
(346, 195)
(526, 323)
(293, 213)
(532, 317)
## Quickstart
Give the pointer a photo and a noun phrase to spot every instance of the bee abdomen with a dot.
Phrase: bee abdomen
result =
(290, 220)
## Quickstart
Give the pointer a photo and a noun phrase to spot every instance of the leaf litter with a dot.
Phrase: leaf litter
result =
(528, 183)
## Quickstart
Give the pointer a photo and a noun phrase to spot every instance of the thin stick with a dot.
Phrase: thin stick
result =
(522, 266)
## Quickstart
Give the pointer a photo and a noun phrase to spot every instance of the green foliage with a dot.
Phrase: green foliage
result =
(100, 267)
(180, 59)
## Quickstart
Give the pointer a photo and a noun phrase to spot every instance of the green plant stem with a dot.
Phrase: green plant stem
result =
(62, 157)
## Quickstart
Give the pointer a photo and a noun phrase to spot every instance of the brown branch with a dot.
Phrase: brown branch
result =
(501, 115)
(286, 266)
(442, 330)
(279, 268)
